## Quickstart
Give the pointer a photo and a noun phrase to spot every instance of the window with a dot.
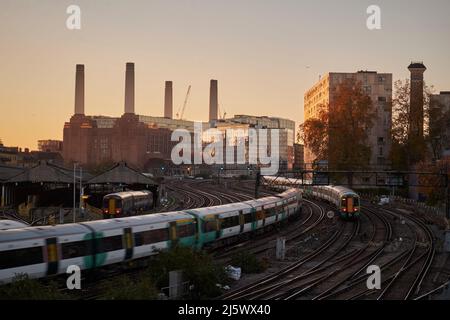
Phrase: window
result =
(209, 226)
(380, 140)
(151, 236)
(186, 230)
(110, 244)
(21, 257)
(271, 212)
(381, 99)
(229, 222)
(76, 249)
(248, 218)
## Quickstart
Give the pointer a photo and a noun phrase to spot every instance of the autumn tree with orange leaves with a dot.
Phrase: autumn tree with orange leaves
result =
(401, 142)
(340, 133)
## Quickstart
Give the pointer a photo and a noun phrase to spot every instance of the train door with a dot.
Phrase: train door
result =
(350, 205)
(128, 243)
(241, 221)
(51, 255)
(112, 206)
(173, 233)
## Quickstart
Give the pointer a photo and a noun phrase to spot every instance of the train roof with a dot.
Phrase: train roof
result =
(126, 194)
(43, 232)
(341, 189)
(11, 224)
(153, 218)
(201, 212)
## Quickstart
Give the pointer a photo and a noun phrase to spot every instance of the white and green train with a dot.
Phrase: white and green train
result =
(49, 250)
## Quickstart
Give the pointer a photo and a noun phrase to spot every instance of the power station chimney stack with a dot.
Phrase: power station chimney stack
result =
(168, 100)
(416, 114)
(213, 101)
(129, 88)
(79, 89)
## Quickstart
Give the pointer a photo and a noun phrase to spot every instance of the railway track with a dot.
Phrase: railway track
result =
(335, 270)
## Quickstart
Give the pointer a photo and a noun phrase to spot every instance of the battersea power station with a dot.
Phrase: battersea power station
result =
(140, 140)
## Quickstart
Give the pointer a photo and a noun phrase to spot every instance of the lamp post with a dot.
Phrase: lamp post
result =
(74, 190)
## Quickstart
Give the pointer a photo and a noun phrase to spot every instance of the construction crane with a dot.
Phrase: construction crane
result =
(221, 117)
(180, 116)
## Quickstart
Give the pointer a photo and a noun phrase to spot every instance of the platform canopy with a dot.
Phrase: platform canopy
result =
(7, 172)
(121, 173)
(44, 172)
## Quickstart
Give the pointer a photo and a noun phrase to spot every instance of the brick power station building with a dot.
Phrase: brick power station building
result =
(99, 139)
(143, 140)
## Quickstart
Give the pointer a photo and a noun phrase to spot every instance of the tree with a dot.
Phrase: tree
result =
(438, 132)
(340, 133)
(402, 144)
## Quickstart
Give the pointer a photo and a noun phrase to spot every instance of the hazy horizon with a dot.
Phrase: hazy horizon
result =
(265, 55)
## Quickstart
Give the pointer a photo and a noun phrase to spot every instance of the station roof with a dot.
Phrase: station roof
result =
(6, 172)
(121, 173)
(44, 172)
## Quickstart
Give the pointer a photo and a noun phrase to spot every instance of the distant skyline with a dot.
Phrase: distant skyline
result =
(264, 54)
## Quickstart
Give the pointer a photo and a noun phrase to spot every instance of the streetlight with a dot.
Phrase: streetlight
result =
(74, 189)
(75, 165)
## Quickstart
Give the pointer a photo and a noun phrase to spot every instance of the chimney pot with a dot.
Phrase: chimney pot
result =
(168, 100)
(213, 101)
(79, 89)
(129, 88)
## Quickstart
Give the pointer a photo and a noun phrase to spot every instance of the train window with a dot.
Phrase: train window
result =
(21, 257)
(248, 218)
(151, 236)
(209, 226)
(344, 202)
(186, 230)
(110, 244)
(271, 212)
(355, 202)
(229, 222)
(260, 215)
(76, 249)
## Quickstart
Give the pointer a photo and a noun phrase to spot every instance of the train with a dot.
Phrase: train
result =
(50, 250)
(127, 203)
(345, 201)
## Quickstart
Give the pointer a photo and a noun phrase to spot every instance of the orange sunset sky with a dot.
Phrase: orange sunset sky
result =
(265, 54)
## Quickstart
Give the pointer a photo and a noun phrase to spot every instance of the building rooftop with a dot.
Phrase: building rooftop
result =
(417, 65)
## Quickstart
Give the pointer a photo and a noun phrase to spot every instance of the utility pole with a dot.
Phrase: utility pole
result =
(447, 194)
(257, 182)
(74, 190)
(81, 191)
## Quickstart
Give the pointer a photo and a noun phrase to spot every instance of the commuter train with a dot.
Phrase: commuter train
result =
(126, 203)
(49, 250)
(344, 200)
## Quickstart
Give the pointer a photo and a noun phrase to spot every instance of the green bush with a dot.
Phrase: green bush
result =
(248, 262)
(197, 267)
(124, 288)
(24, 288)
